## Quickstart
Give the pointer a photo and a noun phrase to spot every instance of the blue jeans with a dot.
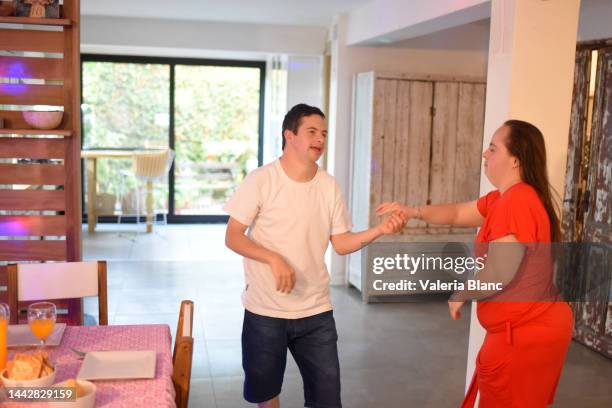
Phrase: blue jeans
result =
(313, 343)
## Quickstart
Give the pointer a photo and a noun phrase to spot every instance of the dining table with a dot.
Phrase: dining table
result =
(126, 393)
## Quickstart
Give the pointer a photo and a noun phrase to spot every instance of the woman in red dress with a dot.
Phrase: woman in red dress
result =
(520, 361)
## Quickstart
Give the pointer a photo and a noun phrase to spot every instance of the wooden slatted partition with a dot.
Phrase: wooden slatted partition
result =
(35, 148)
(33, 225)
(19, 94)
(32, 40)
(33, 200)
(43, 68)
(32, 174)
(40, 171)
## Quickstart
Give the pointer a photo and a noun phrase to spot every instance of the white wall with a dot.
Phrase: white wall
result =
(275, 106)
(192, 37)
(290, 80)
(392, 18)
(347, 61)
(595, 21)
(305, 81)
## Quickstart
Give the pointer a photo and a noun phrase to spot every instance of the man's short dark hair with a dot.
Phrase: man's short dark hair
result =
(293, 118)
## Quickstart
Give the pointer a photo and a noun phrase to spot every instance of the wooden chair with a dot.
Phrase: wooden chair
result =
(55, 281)
(183, 353)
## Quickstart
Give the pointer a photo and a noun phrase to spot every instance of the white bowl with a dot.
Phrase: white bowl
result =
(42, 382)
(86, 401)
(43, 119)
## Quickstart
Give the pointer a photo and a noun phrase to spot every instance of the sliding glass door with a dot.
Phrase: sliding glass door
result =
(209, 112)
(216, 134)
(125, 107)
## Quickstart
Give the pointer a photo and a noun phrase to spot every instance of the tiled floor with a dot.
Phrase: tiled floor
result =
(391, 355)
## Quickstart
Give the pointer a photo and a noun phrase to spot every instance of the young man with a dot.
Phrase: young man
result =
(292, 209)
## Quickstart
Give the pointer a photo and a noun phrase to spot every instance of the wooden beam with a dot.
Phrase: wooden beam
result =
(3, 282)
(24, 94)
(13, 293)
(33, 174)
(31, 250)
(31, 40)
(24, 67)
(72, 110)
(13, 119)
(32, 200)
(32, 225)
(102, 294)
(32, 148)
(35, 21)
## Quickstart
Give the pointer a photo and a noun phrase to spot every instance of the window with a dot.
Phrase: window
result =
(209, 112)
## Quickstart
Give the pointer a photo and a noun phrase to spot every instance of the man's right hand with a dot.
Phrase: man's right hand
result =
(283, 274)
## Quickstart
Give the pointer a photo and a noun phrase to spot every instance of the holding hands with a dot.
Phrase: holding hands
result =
(395, 207)
(393, 224)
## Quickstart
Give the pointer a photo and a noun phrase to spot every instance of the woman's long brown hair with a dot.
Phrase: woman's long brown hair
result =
(526, 143)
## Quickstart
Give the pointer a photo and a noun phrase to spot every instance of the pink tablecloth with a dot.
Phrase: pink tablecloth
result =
(157, 392)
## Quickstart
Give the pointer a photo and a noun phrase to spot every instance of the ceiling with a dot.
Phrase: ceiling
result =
(318, 13)
(467, 37)
(594, 23)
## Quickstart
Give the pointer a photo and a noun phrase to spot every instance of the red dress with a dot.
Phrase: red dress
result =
(520, 361)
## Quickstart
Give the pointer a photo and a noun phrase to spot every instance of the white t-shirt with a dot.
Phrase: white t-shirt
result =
(296, 221)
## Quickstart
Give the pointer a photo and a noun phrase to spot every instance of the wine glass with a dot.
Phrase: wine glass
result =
(41, 318)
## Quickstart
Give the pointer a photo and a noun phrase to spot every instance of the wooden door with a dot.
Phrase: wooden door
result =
(577, 148)
(593, 325)
(391, 133)
(410, 180)
(458, 125)
(587, 212)
(383, 144)
(415, 141)
(426, 145)
(401, 145)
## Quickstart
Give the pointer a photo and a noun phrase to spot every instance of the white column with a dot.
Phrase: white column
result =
(530, 77)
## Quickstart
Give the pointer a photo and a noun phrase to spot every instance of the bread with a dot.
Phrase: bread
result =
(29, 366)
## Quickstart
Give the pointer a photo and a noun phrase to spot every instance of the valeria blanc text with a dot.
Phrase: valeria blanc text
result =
(405, 285)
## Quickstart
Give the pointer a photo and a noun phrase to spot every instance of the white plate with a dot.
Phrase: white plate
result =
(19, 335)
(114, 365)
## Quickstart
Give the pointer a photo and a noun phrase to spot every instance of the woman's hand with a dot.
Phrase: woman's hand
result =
(454, 307)
(393, 224)
(407, 212)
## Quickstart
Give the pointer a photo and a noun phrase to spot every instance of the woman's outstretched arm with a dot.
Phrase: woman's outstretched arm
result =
(460, 214)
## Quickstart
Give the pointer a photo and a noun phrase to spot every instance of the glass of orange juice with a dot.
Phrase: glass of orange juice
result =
(4, 319)
(41, 318)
